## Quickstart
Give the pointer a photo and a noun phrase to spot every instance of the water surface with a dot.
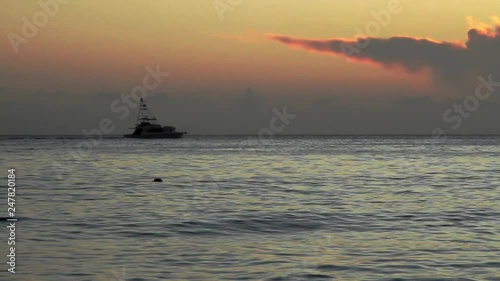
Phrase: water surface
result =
(295, 208)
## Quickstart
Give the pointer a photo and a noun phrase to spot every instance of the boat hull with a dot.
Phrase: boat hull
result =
(170, 135)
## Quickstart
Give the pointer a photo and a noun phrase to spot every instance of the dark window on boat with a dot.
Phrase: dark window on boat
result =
(137, 132)
(155, 130)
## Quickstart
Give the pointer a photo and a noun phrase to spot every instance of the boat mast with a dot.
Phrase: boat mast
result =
(139, 112)
(144, 114)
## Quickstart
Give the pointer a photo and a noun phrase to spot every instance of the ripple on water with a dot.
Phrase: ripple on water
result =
(296, 208)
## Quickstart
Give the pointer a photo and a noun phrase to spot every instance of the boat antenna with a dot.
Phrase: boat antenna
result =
(147, 116)
(139, 111)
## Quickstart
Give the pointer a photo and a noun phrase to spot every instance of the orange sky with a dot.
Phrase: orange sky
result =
(95, 45)
(224, 69)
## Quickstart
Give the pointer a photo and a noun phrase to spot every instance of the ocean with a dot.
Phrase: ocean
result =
(234, 208)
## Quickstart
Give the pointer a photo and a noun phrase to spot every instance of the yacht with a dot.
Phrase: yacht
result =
(147, 126)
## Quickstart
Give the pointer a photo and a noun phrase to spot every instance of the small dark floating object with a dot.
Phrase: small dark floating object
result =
(157, 180)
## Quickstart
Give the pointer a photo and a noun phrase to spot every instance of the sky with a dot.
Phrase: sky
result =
(337, 66)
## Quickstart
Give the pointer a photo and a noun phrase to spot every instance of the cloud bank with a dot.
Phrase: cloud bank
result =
(448, 61)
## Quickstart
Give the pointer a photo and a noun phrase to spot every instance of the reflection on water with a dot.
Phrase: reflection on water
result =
(296, 208)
